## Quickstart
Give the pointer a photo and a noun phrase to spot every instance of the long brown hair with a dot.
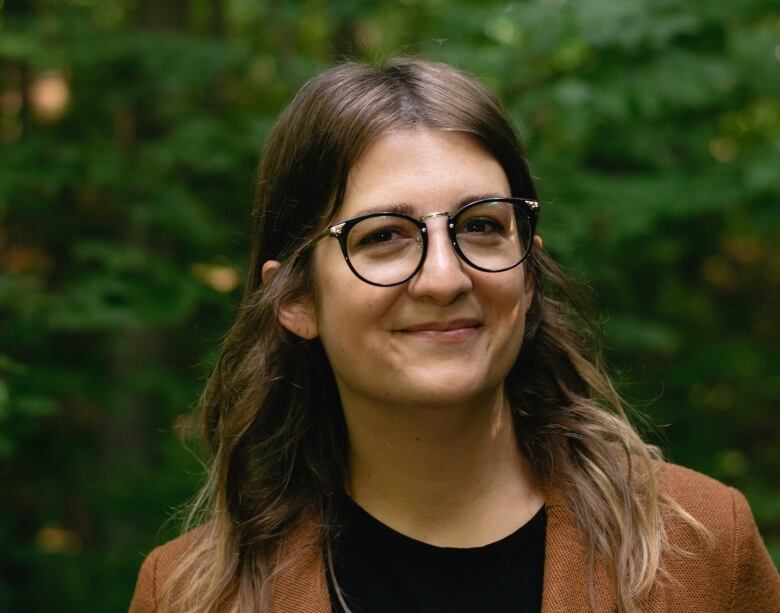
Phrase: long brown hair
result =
(270, 414)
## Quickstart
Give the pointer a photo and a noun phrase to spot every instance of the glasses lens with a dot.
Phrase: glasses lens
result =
(493, 235)
(384, 249)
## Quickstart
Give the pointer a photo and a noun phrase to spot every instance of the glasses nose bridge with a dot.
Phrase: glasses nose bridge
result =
(447, 230)
(425, 218)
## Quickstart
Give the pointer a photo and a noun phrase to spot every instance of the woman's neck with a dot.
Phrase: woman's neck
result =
(448, 476)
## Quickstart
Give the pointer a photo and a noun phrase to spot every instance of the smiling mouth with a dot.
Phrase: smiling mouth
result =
(459, 329)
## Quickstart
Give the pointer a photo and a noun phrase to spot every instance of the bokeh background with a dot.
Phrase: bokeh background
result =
(129, 135)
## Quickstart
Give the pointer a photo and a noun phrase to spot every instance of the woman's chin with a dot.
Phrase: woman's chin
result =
(436, 390)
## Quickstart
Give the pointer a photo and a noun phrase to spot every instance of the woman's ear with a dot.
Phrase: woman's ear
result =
(299, 317)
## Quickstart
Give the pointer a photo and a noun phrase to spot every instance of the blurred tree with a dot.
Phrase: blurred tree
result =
(129, 134)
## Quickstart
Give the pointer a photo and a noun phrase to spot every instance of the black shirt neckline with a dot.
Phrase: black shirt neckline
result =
(380, 570)
(375, 534)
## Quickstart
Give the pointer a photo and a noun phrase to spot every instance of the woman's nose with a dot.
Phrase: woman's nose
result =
(444, 276)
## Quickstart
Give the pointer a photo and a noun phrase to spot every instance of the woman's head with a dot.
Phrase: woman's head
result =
(414, 134)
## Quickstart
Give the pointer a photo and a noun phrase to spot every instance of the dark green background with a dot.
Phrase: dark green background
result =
(129, 135)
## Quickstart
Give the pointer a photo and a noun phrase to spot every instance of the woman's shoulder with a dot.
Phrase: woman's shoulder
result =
(704, 497)
(299, 582)
(716, 505)
(732, 555)
(721, 509)
(158, 566)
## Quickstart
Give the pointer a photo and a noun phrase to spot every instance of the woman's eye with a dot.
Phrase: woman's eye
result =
(481, 225)
(379, 236)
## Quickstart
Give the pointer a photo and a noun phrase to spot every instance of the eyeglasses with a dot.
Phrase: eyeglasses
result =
(386, 249)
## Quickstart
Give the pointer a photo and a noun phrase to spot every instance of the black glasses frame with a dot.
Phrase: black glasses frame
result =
(529, 209)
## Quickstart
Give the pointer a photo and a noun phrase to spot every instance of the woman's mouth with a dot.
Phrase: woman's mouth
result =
(452, 330)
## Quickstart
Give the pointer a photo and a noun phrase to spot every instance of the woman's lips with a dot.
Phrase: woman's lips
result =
(454, 330)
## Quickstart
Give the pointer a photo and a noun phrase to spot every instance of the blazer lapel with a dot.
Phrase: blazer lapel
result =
(566, 580)
(300, 585)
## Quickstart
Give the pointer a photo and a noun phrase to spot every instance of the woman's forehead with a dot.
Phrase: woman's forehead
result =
(410, 171)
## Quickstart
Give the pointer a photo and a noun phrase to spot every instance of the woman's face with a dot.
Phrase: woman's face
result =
(450, 334)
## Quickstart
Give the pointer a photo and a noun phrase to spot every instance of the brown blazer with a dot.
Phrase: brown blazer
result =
(735, 575)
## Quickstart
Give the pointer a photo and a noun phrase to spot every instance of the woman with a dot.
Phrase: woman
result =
(406, 416)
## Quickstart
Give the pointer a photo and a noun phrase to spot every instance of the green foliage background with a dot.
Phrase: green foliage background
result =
(129, 135)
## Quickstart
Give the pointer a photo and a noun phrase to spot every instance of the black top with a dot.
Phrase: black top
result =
(380, 570)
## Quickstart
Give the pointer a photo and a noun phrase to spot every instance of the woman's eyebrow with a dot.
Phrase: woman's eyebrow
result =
(406, 208)
(403, 208)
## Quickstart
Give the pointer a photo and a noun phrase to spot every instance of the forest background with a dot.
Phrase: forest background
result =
(129, 137)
